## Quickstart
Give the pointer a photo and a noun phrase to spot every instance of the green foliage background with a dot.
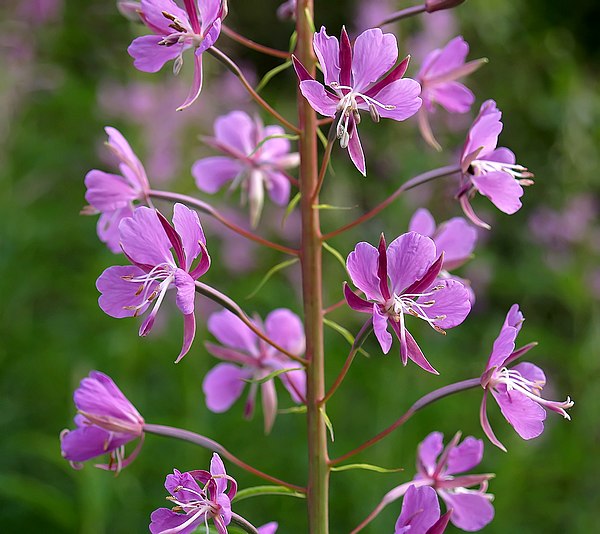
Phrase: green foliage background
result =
(543, 72)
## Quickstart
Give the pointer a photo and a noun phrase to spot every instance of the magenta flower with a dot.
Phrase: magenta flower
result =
(176, 30)
(489, 170)
(357, 82)
(421, 512)
(249, 160)
(198, 496)
(146, 240)
(517, 390)
(268, 528)
(106, 422)
(412, 266)
(113, 195)
(254, 360)
(437, 76)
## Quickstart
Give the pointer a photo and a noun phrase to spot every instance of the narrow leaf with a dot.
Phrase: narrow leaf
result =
(327, 423)
(270, 273)
(271, 74)
(293, 409)
(257, 491)
(331, 207)
(345, 334)
(293, 41)
(290, 207)
(336, 255)
(366, 467)
(270, 376)
(293, 137)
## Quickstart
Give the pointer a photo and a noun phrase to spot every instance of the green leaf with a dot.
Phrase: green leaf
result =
(330, 207)
(257, 491)
(310, 20)
(293, 409)
(367, 467)
(271, 74)
(270, 375)
(290, 207)
(327, 423)
(270, 273)
(293, 137)
(345, 334)
(293, 41)
(337, 256)
(322, 137)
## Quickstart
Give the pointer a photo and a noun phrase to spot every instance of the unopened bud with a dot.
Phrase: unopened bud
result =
(432, 6)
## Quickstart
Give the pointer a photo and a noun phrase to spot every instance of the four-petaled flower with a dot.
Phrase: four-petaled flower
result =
(352, 76)
(147, 239)
(224, 383)
(198, 496)
(176, 30)
(456, 238)
(106, 422)
(412, 265)
(254, 157)
(516, 390)
(437, 76)
(113, 195)
(421, 512)
(491, 171)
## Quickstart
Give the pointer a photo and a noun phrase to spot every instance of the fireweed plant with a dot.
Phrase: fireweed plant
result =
(393, 281)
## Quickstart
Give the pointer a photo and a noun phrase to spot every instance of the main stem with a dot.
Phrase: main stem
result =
(310, 256)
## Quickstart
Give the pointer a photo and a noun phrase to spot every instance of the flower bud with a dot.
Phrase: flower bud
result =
(432, 6)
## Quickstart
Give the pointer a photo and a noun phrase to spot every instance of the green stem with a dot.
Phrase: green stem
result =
(311, 258)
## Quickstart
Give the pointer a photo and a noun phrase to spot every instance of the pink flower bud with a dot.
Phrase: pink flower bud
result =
(432, 6)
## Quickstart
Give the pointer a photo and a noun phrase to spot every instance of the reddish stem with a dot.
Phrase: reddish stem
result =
(248, 43)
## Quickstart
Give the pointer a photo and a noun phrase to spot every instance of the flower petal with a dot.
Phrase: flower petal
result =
(420, 510)
(422, 222)
(403, 95)
(525, 415)
(409, 258)
(327, 50)
(374, 54)
(456, 238)
(428, 451)
(269, 404)
(451, 306)
(362, 267)
(119, 294)
(107, 192)
(464, 456)
(319, 98)
(187, 225)
(90, 441)
(107, 227)
(471, 510)
(232, 332)
(484, 131)
(223, 385)
(380, 324)
(278, 187)
(164, 519)
(356, 151)
(501, 188)
(454, 97)
(196, 87)
(286, 329)
(149, 56)
(143, 238)
(189, 333)
(212, 173)
(236, 130)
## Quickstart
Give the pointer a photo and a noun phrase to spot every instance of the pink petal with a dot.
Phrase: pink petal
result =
(90, 441)
(422, 222)
(456, 238)
(269, 404)
(327, 50)
(295, 383)
(236, 130)
(187, 225)
(484, 131)
(356, 152)
(107, 192)
(525, 415)
(531, 372)
(409, 258)
(164, 519)
(464, 456)
(414, 352)
(189, 333)
(355, 302)
(212, 173)
(403, 94)
(380, 323)
(232, 332)
(428, 451)
(320, 99)
(209, 11)
(420, 511)
(223, 385)
(152, 15)
(278, 187)
(452, 304)
(502, 155)
(196, 87)
(108, 227)
(471, 511)
(454, 97)
(362, 267)
(501, 188)
(286, 329)
(268, 528)
(276, 147)
(374, 54)
(149, 56)
(118, 295)
(452, 56)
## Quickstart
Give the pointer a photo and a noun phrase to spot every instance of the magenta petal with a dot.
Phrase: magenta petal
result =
(525, 415)
(275, 147)
(149, 56)
(380, 324)
(319, 98)
(502, 155)
(268, 528)
(464, 456)
(456, 238)
(269, 403)
(403, 94)
(355, 302)
(409, 258)
(119, 295)
(531, 372)
(362, 267)
(485, 423)
(420, 510)
(196, 87)
(164, 519)
(416, 355)
(295, 383)
(90, 441)
(107, 192)
(152, 15)
(144, 240)
(428, 451)
(182, 486)
(503, 347)
(223, 385)
(454, 97)
(501, 188)
(212, 173)
(217, 467)
(278, 187)
(286, 329)
(327, 50)
(471, 511)
(232, 332)
(236, 130)
(189, 333)
(187, 225)
(356, 152)
(209, 11)
(452, 304)
(374, 54)
(107, 227)
(485, 130)
(422, 222)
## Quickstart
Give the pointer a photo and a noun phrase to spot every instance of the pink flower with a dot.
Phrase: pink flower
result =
(437, 76)
(489, 170)
(147, 239)
(176, 30)
(249, 160)
(412, 265)
(358, 81)
(106, 422)
(253, 359)
(113, 195)
(198, 496)
(517, 390)
(421, 512)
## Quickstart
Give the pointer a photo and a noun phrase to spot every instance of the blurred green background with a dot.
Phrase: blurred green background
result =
(65, 74)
